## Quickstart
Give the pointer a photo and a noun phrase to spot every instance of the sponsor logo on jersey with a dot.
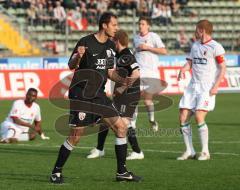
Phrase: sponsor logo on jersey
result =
(200, 61)
(101, 64)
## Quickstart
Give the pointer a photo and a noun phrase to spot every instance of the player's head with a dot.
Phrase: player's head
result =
(144, 25)
(108, 23)
(31, 95)
(121, 39)
(203, 28)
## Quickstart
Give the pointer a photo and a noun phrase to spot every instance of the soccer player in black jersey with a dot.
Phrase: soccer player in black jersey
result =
(125, 99)
(92, 61)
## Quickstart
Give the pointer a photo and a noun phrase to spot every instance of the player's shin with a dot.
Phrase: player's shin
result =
(150, 111)
(63, 155)
(187, 137)
(133, 139)
(121, 154)
(103, 132)
(134, 118)
(203, 133)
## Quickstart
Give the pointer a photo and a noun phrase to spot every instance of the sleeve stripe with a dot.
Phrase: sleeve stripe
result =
(134, 65)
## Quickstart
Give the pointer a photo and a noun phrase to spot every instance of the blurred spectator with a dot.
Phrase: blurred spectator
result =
(143, 8)
(156, 13)
(175, 7)
(182, 41)
(92, 12)
(161, 14)
(166, 15)
(60, 16)
(83, 8)
(50, 15)
(42, 16)
(102, 6)
(26, 4)
(32, 15)
(75, 20)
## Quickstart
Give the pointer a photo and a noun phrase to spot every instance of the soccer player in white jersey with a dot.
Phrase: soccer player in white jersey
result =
(148, 47)
(24, 115)
(206, 60)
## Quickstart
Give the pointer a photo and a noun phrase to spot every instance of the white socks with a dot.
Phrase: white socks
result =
(203, 133)
(134, 118)
(150, 110)
(187, 137)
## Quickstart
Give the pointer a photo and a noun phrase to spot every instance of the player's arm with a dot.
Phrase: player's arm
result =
(114, 76)
(156, 50)
(162, 51)
(76, 57)
(221, 73)
(21, 122)
(185, 68)
(38, 129)
(130, 81)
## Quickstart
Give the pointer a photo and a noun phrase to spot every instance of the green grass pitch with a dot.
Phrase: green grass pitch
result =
(28, 165)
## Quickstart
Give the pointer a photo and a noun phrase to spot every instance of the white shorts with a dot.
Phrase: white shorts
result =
(150, 82)
(10, 130)
(197, 101)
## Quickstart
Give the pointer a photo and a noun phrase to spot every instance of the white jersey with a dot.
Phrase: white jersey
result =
(147, 60)
(25, 113)
(205, 58)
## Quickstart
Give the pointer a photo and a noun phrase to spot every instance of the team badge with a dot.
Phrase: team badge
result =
(81, 116)
(109, 53)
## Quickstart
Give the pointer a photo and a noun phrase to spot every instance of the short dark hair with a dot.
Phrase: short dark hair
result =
(105, 19)
(33, 90)
(122, 36)
(147, 19)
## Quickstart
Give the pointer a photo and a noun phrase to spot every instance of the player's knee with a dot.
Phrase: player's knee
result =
(121, 131)
(184, 115)
(199, 118)
(148, 102)
(74, 140)
(183, 118)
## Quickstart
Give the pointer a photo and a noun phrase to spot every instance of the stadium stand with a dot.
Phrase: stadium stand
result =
(183, 14)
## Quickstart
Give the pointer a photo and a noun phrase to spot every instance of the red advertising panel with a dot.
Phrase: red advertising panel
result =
(14, 83)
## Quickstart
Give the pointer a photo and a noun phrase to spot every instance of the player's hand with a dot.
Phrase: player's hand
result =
(181, 75)
(143, 47)
(118, 91)
(43, 137)
(213, 91)
(130, 81)
(81, 50)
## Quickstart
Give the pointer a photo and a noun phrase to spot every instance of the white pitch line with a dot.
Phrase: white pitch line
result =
(145, 150)
(180, 142)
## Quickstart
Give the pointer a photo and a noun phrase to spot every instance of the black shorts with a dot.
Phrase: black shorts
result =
(127, 103)
(84, 112)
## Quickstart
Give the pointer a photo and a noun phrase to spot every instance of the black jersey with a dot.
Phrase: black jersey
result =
(126, 64)
(98, 57)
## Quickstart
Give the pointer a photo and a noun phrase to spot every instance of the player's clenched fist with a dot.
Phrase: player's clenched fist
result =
(81, 50)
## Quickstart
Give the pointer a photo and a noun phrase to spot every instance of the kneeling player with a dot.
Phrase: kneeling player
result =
(24, 115)
(125, 99)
